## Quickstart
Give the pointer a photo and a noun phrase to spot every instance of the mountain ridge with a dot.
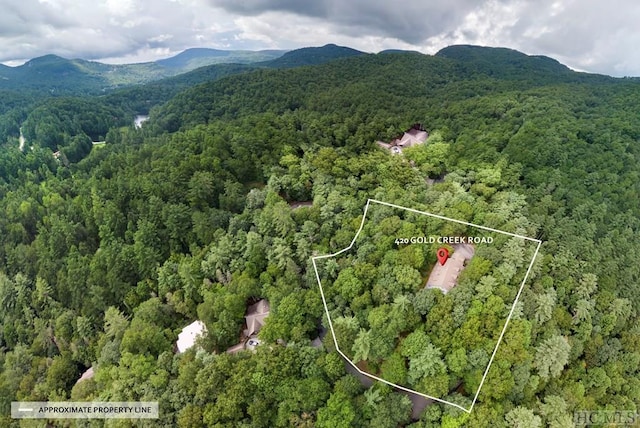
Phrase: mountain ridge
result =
(448, 72)
(504, 61)
(193, 58)
(54, 73)
(312, 56)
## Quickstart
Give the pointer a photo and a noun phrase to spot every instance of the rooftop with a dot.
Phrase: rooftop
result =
(256, 314)
(412, 137)
(445, 277)
(88, 374)
(189, 334)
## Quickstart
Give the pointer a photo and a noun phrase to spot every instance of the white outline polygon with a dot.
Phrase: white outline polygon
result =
(504, 328)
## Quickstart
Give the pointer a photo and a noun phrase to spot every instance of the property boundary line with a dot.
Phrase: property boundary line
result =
(504, 328)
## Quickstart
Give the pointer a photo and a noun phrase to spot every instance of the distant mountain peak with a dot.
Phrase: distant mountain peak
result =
(398, 51)
(475, 51)
(45, 59)
(190, 54)
(499, 61)
(193, 58)
(313, 55)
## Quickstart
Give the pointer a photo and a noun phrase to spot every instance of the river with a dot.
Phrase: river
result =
(21, 140)
(139, 120)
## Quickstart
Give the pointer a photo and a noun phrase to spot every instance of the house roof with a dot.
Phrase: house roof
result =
(189, 334)
(418, 134)
(445, 277)
(256, 314)
(88, 374)
(412, 137)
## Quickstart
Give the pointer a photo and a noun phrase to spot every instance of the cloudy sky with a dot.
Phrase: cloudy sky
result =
(591, 35)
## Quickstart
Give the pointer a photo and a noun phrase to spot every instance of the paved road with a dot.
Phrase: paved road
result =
(419, 402)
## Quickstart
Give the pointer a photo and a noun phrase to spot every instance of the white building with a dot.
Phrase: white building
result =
(189, 334)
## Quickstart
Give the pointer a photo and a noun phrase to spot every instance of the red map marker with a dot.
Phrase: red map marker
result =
(443, 255)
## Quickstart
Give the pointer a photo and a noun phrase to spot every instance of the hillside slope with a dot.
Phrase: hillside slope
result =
(312, 56)
(60, 76)
(193, 58)
(509, 63)
(389, 79)
(225, 195)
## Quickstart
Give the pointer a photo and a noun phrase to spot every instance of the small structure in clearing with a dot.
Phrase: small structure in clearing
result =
(412, 137)
(256, 314)
(300, 204)
(445, 277)
(254, 320)
(189, 334)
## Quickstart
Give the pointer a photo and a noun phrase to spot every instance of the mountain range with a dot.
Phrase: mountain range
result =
(54, 75)
(61, 76)
(244, 171)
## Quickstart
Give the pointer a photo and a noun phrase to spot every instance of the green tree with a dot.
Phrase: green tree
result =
(545, 303)
(362, 345)
(338, 413)
(521, 417)
(427, 363)
(551, 356)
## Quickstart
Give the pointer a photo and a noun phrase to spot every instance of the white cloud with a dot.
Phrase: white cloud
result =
(585, 34)
(589, 34)
(121, 7)
(270, 30)
(108, 28)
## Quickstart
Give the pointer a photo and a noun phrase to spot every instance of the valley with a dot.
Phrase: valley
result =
(244, 176)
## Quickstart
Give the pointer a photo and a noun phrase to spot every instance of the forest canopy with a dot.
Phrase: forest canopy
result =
(224, 195)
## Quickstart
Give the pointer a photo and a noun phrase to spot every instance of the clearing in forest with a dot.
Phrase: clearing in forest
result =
(421, 302)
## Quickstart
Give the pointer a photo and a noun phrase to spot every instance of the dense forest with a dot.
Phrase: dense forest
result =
(61, 76)
(199, 214)
(51, 86)
(387, 321)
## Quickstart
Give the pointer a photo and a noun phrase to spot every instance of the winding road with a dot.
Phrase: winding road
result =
(419, 402)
